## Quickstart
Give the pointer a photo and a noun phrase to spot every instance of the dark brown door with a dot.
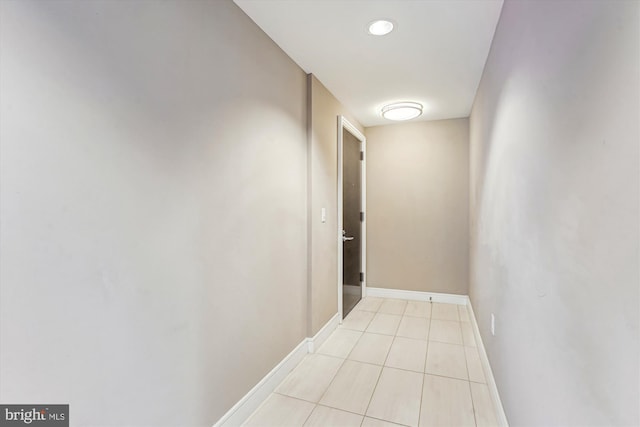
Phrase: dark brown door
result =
(351, 220)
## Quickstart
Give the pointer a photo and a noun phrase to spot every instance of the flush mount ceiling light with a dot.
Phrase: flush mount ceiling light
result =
(380, 27)
(402, 111)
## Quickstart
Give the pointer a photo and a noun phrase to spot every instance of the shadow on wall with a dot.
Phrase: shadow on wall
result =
(139, 140)
(554, 230)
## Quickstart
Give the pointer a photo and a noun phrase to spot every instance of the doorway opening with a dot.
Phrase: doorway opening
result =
(351, 216)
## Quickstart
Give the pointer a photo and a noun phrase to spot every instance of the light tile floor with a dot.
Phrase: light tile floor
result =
(391, 362)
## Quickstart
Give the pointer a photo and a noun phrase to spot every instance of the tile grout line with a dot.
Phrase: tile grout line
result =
(381, 370)
(334, 377)
(404, 369)
(450, 343)
(315, 405)
(338, 409)
(366, 326)
(294, 397)
(363, 332)
(309, 416)
(449, 378)
(385, 421)
(325, 391)
(341, 365)
(332, 355)
(353, 413)
(473, 405)
(383, 366)
(424, 373)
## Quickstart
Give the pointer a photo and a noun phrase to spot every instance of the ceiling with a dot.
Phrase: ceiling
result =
(434, 56)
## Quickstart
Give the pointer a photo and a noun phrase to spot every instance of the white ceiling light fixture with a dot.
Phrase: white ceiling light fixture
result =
(400, 111)
(380, 27)
(454, 38)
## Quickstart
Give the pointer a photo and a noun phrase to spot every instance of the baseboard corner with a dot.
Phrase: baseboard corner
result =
(321, 336)
(246, 406)
(251, 401)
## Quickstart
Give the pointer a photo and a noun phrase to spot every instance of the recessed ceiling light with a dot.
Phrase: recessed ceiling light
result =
(380, 27)
(402, 111)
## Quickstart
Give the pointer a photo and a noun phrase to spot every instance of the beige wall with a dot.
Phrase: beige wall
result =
(417, 206)
(323, 161)
(555, 211)
(153, 210)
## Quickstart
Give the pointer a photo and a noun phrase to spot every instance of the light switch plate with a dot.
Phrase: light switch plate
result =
(493, 324)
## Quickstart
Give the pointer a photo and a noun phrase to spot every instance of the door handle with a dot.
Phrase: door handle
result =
(346, 238)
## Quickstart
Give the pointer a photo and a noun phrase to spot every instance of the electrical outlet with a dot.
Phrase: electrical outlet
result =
(493, 324)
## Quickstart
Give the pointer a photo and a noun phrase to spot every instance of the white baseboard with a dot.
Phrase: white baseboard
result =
(239, 413)
(417, 295)
(318, 339)
(246, 406)
(488, 373)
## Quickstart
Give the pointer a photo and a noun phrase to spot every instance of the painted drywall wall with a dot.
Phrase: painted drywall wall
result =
(153, 209)
(418, 206)
(555, 211)
(324, 110)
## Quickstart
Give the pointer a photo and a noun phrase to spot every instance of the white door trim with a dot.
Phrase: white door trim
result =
(344, 124)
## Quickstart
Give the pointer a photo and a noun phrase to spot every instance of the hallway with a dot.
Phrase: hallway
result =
(391, 362)
(175, 177)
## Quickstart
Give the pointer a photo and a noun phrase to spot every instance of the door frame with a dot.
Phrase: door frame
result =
(344, 124)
